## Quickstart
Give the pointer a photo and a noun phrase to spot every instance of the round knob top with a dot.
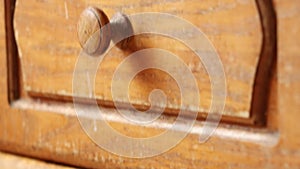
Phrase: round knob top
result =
(93, 31)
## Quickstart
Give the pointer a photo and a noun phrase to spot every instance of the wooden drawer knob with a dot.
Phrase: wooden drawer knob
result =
(92, 38)
(95, 31)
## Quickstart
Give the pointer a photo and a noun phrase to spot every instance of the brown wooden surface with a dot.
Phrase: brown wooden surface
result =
(48, 47)
(50, 130)
(9, 161)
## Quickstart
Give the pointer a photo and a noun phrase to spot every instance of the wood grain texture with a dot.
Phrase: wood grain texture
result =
(8, 161)
(48, 47)
(50, 130)
(90, 21)
(288, 17)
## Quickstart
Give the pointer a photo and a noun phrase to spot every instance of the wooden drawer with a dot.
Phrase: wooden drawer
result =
(256, 42)
(46, 34)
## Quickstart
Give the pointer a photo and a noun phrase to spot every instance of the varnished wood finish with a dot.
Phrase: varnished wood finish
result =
(92, 40)
(266, 64)
(12, 52)
(8, 161)
(233, 27)
(50, 130)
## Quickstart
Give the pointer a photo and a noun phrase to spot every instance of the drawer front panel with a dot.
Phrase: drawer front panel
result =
(46, 34)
